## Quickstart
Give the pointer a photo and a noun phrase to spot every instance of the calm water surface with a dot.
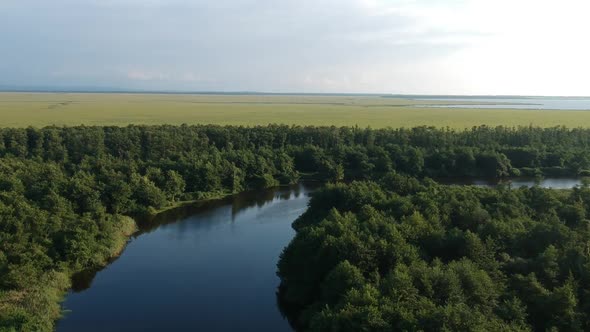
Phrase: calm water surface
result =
(204, 268)
(553, 183)
(540, 103)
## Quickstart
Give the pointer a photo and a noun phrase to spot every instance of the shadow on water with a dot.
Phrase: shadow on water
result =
(81, 281)
(288, 310)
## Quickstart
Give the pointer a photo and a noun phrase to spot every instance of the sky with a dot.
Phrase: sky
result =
(500, 47)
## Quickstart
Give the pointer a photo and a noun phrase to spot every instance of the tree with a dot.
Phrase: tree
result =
(340, 280)
(174, 185)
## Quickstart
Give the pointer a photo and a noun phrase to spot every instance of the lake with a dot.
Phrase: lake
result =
(535, 103)
(208, 267)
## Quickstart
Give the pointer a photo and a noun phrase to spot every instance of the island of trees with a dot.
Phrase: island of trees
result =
(406, 253)
(410, 255)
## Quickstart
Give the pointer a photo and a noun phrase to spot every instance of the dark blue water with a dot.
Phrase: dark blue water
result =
(204, 268)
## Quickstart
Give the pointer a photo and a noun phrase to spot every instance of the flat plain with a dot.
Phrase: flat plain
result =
(120, 109)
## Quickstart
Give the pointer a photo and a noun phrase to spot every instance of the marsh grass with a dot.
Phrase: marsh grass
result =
(43, 109)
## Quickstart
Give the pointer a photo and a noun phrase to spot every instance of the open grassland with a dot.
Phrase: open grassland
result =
(43, 109)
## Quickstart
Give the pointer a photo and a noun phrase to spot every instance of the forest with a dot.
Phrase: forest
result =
(410, 255)
(407, 251)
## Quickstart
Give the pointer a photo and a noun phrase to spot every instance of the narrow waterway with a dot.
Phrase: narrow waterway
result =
(552, 183)
(206, 267)
(210, 267)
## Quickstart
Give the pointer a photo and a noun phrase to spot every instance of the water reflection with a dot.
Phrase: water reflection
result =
(207, 266)
(206, 209)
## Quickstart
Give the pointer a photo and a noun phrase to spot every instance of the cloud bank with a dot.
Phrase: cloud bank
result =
(379, 46)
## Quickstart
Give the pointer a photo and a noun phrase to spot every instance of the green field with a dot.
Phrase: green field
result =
(42, 109)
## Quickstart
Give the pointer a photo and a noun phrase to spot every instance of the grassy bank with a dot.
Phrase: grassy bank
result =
(203, 198)
(38, 307)
(43, 300)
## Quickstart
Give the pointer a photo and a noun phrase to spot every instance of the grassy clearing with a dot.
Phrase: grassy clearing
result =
(42, 109)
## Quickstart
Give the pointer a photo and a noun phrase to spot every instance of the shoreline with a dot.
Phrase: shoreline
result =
(130, 228)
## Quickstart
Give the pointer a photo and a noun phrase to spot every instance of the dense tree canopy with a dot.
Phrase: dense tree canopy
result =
(66, 194)
(371, 257)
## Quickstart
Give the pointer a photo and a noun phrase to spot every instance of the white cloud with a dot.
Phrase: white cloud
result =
(407, 46)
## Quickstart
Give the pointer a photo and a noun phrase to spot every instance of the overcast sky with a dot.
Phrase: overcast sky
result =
(533, 47)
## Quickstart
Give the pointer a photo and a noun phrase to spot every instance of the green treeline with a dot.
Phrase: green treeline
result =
(66, 193)
(409, 255)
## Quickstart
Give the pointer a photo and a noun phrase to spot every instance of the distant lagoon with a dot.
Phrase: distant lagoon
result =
(533, 103)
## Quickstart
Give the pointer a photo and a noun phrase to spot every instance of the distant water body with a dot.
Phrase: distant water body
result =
(551, 183)
(533, 103)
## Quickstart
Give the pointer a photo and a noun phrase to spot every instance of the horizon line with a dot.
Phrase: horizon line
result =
(237, 92)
